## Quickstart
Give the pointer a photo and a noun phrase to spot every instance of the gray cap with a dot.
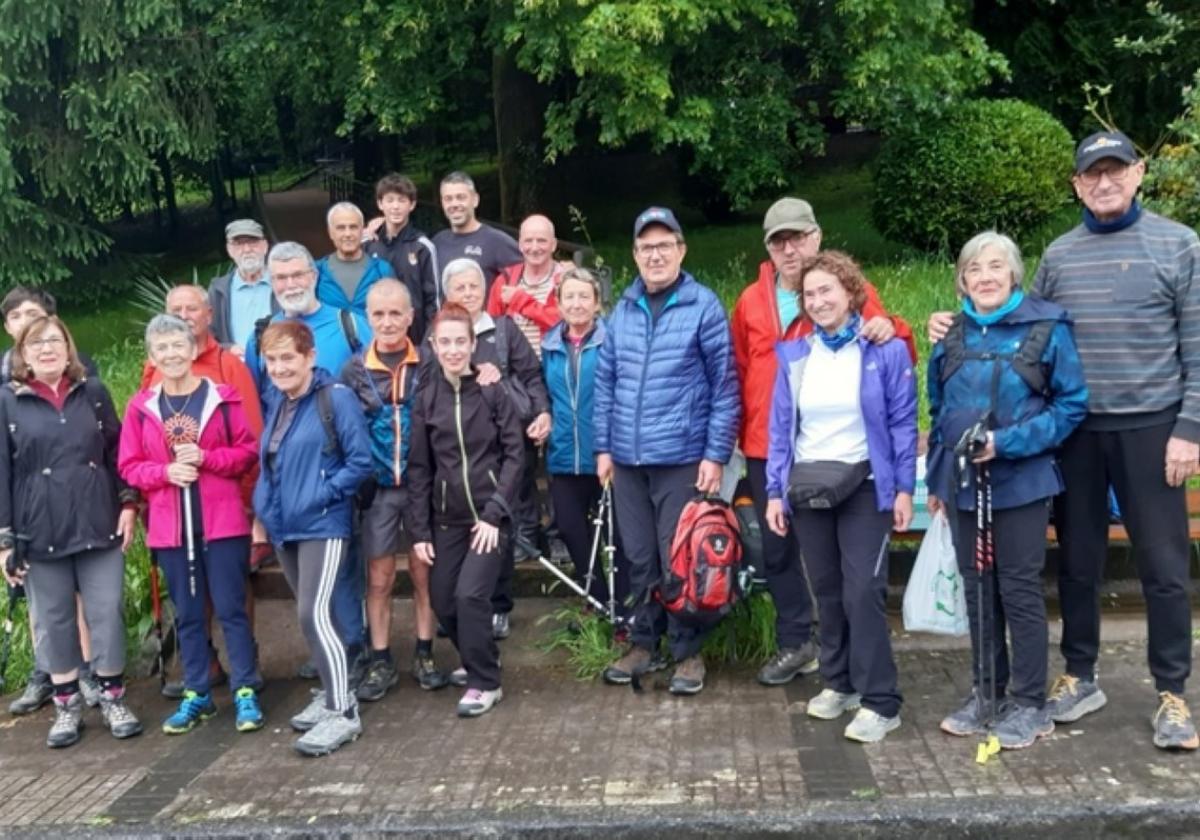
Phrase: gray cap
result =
(244, 227)
(789, 214)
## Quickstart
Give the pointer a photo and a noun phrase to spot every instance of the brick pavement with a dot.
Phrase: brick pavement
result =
(563, 758)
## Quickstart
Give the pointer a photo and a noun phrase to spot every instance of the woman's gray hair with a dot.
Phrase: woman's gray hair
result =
(1012, 254)
(582, 275)
(165, 324)
(284, 251)
(461, 266)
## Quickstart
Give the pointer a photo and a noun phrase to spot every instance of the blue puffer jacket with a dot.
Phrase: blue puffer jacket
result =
(306, 492)
(1028, 426)
(667, 390)
(572, 387)
(330, 291)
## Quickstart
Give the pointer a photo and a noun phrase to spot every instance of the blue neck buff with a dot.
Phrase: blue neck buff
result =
(1120, 223)
(1014, 300)
(844, 336)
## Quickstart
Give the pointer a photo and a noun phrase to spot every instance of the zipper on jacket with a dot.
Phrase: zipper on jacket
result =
(443, 497)
(573, 393)
(492, 476)
(462, 448)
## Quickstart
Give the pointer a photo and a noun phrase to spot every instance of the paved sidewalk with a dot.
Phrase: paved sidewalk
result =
(561, 758)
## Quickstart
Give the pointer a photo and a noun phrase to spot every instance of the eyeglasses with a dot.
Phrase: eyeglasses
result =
(1117, 174)
(797, 239)
(649, 249)
(51, 341)
(295, 275)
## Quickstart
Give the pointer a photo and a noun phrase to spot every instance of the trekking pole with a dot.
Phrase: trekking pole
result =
(610, 553)
(985, 570)
(190, 537)
(522, 544)
(156, 613)
(597, 525)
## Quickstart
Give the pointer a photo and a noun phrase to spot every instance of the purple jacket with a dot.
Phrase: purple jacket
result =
(888, 395)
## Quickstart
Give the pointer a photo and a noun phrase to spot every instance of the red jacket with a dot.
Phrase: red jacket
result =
(756, 331)
(545, 315)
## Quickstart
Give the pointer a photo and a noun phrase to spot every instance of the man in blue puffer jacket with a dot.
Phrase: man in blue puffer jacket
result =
(666, 417)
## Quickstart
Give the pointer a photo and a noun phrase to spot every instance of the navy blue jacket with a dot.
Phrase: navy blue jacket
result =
(572, 387)
(1028, 426)
(667, 389)
(306, 492)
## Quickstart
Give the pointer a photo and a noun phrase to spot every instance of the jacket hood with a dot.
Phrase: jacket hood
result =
(555, 341)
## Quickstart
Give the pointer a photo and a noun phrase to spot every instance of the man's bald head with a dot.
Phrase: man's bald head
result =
(537, 243)
(390, 313)
(190, 302)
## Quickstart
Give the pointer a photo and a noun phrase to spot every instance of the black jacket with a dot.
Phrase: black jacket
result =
(414, 259)
(59, 484)
(479, 421)
(218, 299)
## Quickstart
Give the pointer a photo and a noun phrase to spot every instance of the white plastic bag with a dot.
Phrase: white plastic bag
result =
(934, 601)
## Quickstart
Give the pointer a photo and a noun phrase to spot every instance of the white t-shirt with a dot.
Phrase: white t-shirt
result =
(831, 421)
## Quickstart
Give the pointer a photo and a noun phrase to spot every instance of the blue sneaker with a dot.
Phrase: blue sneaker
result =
(193, 708)
(249, 713)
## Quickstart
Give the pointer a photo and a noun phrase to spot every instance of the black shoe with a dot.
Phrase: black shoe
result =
(308, 671)
(789, 663)
(381, 676)
(426, 674)
(358, 668)
(442, 633)
(37, 693)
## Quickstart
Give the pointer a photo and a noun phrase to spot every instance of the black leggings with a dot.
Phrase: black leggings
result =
(461, 583)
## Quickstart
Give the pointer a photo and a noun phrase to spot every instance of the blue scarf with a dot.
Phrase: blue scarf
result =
(843, 336)
(1120, 223)
(1014, 300)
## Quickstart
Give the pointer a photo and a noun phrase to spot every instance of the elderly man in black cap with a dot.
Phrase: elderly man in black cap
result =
(242, 296)
(1130, 280)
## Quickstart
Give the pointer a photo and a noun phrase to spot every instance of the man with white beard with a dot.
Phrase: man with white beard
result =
(241, 297)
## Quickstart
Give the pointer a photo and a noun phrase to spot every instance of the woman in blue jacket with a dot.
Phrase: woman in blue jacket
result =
(569, 353)
(1009, 360)
(315, 453)
(844, 427)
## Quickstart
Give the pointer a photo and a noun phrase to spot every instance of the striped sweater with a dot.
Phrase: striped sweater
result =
(1134, 298)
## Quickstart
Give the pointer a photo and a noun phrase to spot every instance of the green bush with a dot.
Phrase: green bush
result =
(1000, 164)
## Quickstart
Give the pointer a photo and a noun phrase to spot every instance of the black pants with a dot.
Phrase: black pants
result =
(784, 568)
(648, 503)
(1016, 596)
(1155, 515)
(845, 550)
(527, 524)
(461, 583)
(574, 497)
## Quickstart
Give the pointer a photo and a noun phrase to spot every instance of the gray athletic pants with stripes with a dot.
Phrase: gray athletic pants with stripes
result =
(311, 567)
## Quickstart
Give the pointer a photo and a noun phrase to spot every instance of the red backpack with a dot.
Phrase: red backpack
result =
(701, 584)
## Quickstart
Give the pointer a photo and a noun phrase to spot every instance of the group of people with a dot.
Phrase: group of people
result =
(407, 392)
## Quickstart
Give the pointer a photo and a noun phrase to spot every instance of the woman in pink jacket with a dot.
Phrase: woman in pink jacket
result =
(185, 444)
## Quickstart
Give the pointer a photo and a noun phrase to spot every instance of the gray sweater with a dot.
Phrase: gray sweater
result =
(1134, 298)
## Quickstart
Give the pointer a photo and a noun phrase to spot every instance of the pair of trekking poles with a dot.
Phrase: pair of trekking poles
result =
(972, 444)
(160, 656)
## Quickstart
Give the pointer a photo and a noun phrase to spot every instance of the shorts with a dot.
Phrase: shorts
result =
(381, 522)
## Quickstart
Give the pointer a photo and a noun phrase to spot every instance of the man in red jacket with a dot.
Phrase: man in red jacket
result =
(768, 312)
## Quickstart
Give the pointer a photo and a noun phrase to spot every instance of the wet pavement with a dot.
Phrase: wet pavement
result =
(564, 758)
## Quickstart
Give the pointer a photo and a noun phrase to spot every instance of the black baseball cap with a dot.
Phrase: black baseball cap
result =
(1104, 144)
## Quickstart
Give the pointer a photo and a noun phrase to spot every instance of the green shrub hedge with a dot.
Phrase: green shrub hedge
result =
(1000, 164)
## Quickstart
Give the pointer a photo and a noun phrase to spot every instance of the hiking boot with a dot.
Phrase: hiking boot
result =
(870, 727)
(500, 628)
(357, 670)
(1173, 727)
(38, 692)
(193, 708)
(789, 663)
(458, 677)
(311, 714)
(68, 721)
(1071, 698)
(689, 676)
(89, 687)
(249, 713)
(425, 672)
(635, 659)
(121, 722)
(308, 671)
(830, 704)
(968, 718)
(1021, 726)
(381, 676)
(332, 731)
(477, 702)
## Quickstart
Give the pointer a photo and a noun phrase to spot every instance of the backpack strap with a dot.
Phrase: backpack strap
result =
(954, 348)
(350, 331)
(1028, 361)
(333, 446)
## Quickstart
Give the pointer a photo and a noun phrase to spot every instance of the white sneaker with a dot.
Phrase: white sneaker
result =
(333, 731)
(869, 727)
(477, 702)
(830, 704)
(311, 714)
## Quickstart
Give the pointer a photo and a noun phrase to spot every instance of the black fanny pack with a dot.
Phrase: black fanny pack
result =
(822, 485)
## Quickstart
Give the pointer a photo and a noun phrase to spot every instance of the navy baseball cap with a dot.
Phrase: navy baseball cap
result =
(1104, 144)
(656, 216)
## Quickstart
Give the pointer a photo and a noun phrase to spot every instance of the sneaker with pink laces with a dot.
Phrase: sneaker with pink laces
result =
(477, 702)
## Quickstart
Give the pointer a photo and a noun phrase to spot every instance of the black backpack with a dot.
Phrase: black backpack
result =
(364, 497)
(1026, 362)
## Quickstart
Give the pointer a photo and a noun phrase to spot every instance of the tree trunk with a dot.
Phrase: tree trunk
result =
(519, 103)
(168, 176)
(285, 124)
